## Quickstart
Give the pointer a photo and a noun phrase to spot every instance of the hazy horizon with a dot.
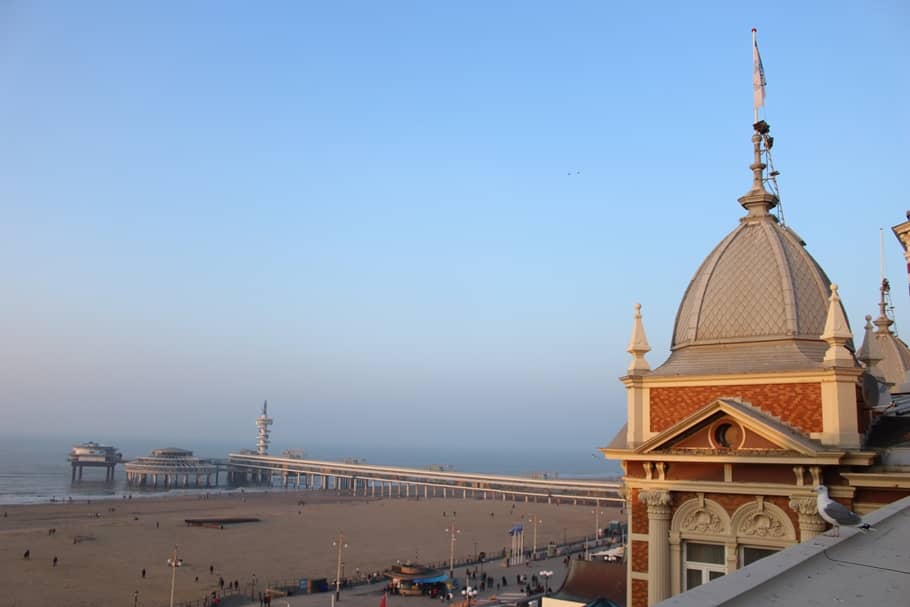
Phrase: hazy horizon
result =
(416, 223)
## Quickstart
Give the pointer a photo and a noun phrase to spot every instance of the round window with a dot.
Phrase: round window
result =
(727, 435)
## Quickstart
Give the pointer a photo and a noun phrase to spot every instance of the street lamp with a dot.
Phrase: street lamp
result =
(546, 575)
(339, 543)
(469, 593)
(452, 531)
(535, 520)
(596, 513)
(174, 562)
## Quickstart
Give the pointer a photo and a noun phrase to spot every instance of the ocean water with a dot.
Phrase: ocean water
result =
(35, 469)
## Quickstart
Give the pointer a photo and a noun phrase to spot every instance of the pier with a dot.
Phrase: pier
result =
(388, 481)
(171, 468)
(93, 455)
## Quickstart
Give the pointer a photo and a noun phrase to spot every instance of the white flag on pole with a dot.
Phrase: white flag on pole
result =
(758, 76)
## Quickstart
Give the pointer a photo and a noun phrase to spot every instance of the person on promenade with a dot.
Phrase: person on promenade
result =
(27, 555)
(143, 573)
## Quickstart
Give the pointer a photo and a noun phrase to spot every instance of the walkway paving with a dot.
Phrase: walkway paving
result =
(370, 595)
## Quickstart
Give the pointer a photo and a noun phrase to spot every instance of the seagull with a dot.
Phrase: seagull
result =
(836, 514)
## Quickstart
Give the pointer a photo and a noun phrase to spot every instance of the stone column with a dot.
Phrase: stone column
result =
(658, 503)
(810, 523)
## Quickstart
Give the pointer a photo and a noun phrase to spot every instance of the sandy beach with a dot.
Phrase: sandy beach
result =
(101, 553)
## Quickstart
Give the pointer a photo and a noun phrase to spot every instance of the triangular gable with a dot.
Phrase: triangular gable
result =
(769, 431)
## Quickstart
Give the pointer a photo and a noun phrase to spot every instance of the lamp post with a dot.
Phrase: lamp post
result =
(535, 520)
(596, 512)
(452, 531)
(546, 575)
(174, 562)
(253, 588)
(469, 593)
(339, 543)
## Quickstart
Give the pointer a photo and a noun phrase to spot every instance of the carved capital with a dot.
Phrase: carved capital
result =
(654, 497)
(804, 506)
(658, 503)
(810, 523)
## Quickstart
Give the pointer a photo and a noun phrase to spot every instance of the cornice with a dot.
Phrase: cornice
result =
(880, 480)
(824, 458)
(777, 489)
(727, 379)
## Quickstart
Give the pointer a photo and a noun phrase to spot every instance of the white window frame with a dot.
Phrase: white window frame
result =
(705, 568)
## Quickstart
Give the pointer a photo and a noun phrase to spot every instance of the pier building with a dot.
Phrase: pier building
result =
(93, 455)
(171, 468)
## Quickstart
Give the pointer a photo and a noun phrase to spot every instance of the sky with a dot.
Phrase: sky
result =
(418, 223)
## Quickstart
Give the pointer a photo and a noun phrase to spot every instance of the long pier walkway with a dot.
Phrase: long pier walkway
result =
(378, 481)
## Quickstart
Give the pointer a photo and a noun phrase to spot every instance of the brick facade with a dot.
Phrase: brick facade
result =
(799, 405)
(639, 514)
(639, 593)
(639, 556)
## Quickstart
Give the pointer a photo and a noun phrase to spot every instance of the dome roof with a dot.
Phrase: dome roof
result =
(758, 284)
(889, 355)
(758, 302)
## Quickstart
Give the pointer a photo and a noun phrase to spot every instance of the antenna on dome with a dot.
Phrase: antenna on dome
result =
(763, 128)
(886, 304)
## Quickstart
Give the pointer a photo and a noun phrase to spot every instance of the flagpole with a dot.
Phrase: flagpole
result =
(754, 45)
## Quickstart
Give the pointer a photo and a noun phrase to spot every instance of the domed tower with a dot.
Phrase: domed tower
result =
(883, 353)
(758, 402)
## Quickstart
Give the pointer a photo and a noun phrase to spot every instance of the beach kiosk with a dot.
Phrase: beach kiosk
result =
(419, 580)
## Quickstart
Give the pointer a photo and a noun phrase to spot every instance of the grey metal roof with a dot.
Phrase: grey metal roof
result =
(759, 283)
(745, 357)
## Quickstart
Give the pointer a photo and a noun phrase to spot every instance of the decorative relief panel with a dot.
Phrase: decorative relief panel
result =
(760, 519)
(701, 517)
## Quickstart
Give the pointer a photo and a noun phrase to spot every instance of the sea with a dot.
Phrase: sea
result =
(36, 470)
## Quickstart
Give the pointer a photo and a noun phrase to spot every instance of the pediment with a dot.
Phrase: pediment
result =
(729, 426)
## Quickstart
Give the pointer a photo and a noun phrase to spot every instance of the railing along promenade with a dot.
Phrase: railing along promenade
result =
(379, 481)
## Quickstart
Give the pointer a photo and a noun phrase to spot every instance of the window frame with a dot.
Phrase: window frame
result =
(705, 568)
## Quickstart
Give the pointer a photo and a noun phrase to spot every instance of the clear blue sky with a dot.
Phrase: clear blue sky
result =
(408, 221)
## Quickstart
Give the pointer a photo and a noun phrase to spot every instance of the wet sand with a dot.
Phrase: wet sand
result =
(103, 566)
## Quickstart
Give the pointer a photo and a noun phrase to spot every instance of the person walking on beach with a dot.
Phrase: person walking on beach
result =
(143, 573)
(27, 555)
(55, 560)
(211, 569)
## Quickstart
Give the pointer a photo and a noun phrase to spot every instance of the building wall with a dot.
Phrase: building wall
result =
(798, 404)
(639, 593)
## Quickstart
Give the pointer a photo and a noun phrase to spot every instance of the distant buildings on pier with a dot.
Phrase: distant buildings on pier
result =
(171, 468)
(93, 455)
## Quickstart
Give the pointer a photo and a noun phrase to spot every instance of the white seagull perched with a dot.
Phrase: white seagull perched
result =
(836, 514)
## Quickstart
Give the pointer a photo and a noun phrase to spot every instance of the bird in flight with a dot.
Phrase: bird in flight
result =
(836, 514)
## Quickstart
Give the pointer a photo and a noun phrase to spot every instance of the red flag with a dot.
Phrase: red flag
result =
(382, 602)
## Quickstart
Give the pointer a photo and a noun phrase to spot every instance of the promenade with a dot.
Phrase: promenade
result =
(370, 595)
